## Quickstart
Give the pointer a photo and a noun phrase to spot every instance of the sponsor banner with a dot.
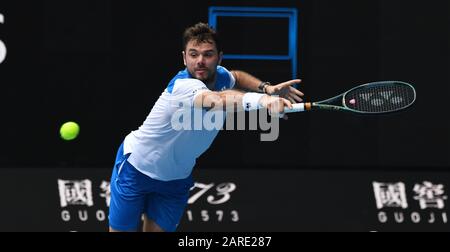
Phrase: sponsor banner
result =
(248, 200)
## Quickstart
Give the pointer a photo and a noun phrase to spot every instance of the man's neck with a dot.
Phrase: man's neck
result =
(212, 83)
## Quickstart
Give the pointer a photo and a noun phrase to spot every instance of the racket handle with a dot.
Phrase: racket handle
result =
(297, 107)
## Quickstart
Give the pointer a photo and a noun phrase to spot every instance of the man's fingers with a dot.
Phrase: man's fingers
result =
(287, 103)
(276, 107)
(291, 82)
(296, 91)
(295, 97)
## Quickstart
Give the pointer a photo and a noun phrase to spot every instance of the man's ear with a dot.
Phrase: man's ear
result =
(220, 57)
(184, 57)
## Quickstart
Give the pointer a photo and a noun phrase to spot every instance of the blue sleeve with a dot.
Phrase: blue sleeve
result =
(225, 79)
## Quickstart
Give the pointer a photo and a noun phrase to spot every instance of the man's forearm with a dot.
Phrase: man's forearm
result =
(229, 100)
(246, 81)
(232, 99)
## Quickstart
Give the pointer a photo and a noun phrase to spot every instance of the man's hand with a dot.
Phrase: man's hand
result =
(285, 90)
(275, 105)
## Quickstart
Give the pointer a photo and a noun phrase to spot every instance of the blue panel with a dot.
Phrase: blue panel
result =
(290, 13)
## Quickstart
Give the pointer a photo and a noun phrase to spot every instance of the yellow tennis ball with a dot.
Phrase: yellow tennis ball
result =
(69, 130)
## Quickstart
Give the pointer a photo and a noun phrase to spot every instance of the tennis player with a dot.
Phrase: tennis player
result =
(152, 177)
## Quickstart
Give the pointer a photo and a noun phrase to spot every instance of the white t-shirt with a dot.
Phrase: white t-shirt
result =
(164, 152)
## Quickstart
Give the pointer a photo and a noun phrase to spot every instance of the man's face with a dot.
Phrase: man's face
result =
(201, 60)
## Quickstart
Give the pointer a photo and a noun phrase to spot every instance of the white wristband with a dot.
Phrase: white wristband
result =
(250, 101)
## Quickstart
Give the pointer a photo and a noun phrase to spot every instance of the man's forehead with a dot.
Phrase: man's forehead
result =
(201, 45)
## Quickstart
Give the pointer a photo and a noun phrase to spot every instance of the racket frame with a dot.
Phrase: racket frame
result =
(340, 104)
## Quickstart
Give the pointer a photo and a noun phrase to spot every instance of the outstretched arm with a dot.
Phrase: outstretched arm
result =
(247, 81)
(234, 100)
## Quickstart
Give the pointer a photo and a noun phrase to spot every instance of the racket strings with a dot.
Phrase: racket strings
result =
(380, 98)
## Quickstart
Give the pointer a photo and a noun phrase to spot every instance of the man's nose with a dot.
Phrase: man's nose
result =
(200, 60)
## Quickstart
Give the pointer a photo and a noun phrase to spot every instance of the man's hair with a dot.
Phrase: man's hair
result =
(201, 33)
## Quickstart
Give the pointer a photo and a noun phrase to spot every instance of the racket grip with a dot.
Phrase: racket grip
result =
(297, 107)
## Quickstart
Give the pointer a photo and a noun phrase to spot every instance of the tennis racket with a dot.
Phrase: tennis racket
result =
(371, 98)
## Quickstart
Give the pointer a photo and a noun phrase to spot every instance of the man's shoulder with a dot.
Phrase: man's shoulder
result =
(182, 81)
(221, 69)
(188, 82)
(225, 79)
(187, 85)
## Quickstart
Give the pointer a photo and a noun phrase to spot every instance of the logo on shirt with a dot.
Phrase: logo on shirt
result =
(198, 89)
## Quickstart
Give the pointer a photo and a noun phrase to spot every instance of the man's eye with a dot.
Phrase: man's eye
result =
(193, 55)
